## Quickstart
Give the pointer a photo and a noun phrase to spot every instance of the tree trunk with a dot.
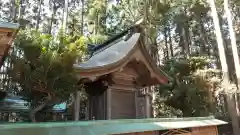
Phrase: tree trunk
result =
(170, 42)
(13, 10)
(166, 42)
(39, 14)
(204, 38)
(182, 43)
(20, 14)
(218, 33)
(82, 17)
(225, 75)
(39, 108)
(96, 24)
(233, 42)
(232, 111)
(186, 34)
(65, 16)
(52, 18)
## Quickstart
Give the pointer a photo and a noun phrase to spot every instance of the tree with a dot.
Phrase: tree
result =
(44, 73)
(191, 89)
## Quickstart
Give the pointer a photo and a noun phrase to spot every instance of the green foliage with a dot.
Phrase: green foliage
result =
(192, 88)
(45, 66)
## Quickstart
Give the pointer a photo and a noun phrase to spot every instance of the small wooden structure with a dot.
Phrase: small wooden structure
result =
(118, 75)
(165, 126)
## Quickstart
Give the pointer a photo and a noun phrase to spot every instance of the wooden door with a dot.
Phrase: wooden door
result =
(123, 104)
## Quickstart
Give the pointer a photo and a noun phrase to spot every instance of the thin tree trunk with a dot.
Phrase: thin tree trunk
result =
(39, 108)
(225, 76)
(166, 41)
(39, 14)
(221, 50)
(182, 42)
(96, 24)
(186, 34)
(82, 17)
(145, 19)
(233, 113)
(20, 10)
(233, 41)
(65, 16)
(235, 122)
(52, 18)
(13, 10)
(170, 42)
(204, 38)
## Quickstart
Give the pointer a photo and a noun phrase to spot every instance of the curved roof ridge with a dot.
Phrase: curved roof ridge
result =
(130, 30)
(112, 54)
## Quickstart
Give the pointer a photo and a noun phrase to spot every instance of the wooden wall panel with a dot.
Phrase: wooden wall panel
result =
(140, 133)
(123, 104)
(97, 107)
(211, 130)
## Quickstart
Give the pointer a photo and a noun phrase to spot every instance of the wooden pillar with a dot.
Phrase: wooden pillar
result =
(153, 105)
(77, 106)
(148, 106)
(147, 102)
(105, 104)
(136, 104)
(109, 105)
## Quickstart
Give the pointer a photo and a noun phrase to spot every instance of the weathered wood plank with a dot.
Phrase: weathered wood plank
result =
(209, 130)
(123, 105)
(139, 133)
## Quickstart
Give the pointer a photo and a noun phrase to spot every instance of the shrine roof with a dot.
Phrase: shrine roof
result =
(107, 127)
(118, 51)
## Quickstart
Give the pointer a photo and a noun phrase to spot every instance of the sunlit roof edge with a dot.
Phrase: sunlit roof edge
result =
(9, 25)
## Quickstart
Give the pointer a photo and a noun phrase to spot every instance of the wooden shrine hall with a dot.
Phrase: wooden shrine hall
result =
(115, 77)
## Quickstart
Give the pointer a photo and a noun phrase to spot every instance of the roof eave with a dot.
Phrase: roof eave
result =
(7, 25)
(158, 73)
